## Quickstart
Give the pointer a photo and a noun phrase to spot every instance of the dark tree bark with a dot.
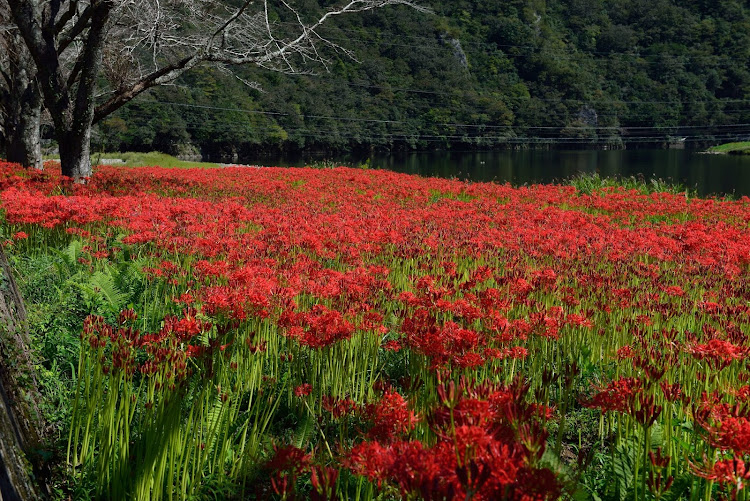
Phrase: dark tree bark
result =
(16, 482)
(68, 97)
(20, 418)
(22, 143)
(20, 103)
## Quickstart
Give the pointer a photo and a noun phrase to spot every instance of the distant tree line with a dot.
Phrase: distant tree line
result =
(478, 74)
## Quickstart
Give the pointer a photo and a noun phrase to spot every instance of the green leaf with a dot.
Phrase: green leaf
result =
(303, 431)
(68, 258)
(623, 468)
(104, 284)
(657, 436)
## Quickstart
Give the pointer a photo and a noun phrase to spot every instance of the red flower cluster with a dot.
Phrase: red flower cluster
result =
(316, 328)
(733, 473)
(390, 418)
(166, 351)
(484, 280)
(718, 353)
(489, 444)
(619, 395)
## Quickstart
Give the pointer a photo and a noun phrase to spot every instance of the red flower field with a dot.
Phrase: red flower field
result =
(342, 333)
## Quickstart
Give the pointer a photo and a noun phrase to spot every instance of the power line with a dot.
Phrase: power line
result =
(446, 124)
(563, 56)
(718, 59)
(612, 102)
(432, 138)
(524, 99)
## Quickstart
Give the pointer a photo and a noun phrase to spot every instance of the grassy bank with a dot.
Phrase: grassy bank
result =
(741, 148)
(587, 184)
(136, 159)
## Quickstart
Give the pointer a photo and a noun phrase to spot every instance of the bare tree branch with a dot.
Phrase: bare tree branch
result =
(75, 71)
(162, 76)
(139, 44)
(217, 35)
(67, 36)
(222, 29)
(69, 14)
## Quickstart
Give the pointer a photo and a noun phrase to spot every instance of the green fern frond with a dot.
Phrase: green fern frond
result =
(105, 284)
(303, 431)
(623, 466)
(68, 261)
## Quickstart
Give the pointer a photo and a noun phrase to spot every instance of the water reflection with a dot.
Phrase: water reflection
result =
(708, 174)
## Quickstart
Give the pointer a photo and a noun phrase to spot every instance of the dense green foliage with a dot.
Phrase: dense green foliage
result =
(474, 74)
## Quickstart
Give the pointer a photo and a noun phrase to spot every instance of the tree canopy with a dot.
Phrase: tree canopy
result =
(477, 74)
(79, 46)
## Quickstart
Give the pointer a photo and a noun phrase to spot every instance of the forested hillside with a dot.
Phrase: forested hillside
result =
(479, 74)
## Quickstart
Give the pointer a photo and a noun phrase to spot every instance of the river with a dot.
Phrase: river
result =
(705, 173)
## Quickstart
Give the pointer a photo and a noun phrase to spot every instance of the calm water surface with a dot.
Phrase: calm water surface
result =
(708, 174)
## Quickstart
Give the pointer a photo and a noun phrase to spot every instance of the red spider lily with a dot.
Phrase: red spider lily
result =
(449, 344)
(323, 480)
(536, 485)
(732, 472)
(577, 320)
(652, 370)
(521, 288)
(625, 352)
(742, 393)
(672, 392)
(619, 395)
(196, 351)
(708, 244)
(164, 351)
(463, 285)
(657, 459)
(731, 433)
(339, 407)
(127, 316)
(719, 354)
(644, 410)
(371, 321)
(485, 450)
(659, 483)
(392, 345)
(303, 390)
(674, 290)
(286, 465)
(390, 417)
(473, 476)
(317, 328)
(434, 473)
(185, 328)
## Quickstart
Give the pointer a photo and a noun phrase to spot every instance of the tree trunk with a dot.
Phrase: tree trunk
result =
(23, 141)
(72, 108)
(21, 105)
(75, 155)
(20, 419)
(75, 141)
(15, 478)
